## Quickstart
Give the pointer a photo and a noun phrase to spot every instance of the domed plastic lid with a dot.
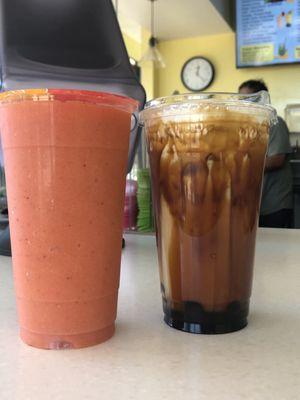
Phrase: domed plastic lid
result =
(210, 103)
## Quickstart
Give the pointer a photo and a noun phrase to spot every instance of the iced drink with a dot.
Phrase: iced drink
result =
(207, 159)
(65, 154)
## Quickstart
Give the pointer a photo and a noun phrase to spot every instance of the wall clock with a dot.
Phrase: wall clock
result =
(197, 73)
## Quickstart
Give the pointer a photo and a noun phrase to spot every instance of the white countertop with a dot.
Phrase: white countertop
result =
(146, 359)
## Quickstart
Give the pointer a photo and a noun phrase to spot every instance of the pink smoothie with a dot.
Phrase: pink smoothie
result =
(65, 155)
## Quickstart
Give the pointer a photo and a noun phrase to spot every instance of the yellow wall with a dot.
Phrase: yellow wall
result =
(136, 50)
(283, 81)
(133, 47)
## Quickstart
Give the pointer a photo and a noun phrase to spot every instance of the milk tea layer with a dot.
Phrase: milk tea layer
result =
(207, 173)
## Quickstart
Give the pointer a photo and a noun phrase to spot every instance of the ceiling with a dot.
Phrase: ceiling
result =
(174, 19)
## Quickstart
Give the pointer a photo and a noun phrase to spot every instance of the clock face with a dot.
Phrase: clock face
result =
(197, 74)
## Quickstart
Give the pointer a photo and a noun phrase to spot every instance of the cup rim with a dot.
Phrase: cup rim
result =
(262, 97)
(194, 102)
(49, 94)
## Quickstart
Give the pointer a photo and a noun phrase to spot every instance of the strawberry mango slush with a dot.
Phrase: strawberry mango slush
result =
(65, 155)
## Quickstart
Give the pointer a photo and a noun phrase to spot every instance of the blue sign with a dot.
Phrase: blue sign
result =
(268, 32)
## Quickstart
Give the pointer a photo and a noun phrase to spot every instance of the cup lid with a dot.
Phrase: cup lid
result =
(210, 102)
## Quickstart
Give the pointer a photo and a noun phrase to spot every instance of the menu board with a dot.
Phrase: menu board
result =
(268, 32)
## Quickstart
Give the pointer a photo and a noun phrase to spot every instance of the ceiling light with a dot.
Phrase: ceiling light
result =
(152, 53)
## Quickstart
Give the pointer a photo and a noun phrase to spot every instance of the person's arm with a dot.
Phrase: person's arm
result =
(274, 162)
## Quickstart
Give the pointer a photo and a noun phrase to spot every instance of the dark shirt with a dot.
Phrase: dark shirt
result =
(278, 184)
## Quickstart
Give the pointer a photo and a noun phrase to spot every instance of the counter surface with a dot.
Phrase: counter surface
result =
(148, 360)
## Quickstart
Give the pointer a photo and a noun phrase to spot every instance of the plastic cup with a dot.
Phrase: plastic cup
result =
(65, 154)
(207, 155)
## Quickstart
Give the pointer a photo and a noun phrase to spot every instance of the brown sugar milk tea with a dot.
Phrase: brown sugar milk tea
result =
(207, 155)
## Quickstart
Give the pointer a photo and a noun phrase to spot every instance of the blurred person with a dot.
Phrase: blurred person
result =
(276, 210)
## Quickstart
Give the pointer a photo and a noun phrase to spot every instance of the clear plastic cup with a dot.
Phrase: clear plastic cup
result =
(207, 154)
(65, 154)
